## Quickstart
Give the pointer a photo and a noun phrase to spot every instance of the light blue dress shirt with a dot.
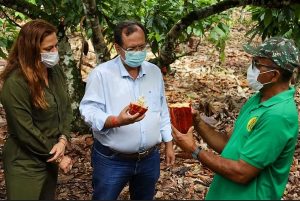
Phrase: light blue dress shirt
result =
(109, 89)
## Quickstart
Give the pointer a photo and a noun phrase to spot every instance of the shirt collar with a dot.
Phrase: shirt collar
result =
(282, 96)
(124, 72)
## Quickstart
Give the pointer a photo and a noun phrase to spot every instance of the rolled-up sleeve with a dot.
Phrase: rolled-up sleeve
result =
(92, 105)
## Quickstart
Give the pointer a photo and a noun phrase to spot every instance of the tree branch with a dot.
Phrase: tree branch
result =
(28, 9)
(167, 55)
(8, 18)
(271, 3)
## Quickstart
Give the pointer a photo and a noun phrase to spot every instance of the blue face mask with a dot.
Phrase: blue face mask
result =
(134, 59)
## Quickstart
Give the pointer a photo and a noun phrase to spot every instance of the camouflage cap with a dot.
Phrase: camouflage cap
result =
(280, 50)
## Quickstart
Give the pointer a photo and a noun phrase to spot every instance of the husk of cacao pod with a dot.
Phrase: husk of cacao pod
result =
(134, 108)
(181, 116)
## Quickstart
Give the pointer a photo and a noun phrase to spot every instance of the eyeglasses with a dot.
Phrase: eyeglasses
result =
(259, 65)
(137, 48)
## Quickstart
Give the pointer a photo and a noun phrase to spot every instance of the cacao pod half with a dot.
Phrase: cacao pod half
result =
(181, 116)
(134, 108)
(138, 107)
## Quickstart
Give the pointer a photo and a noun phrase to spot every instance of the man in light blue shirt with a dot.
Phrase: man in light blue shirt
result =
(125, 146)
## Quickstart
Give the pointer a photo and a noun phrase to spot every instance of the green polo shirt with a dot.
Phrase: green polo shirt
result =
(35, 130)
(264, 136)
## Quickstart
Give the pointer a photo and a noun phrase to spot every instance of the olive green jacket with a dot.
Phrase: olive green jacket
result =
(37, 130)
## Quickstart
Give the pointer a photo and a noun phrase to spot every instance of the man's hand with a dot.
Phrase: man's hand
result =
(170, 155)
(185, 141)
(66, 164)
(196, 116)
(125, 118)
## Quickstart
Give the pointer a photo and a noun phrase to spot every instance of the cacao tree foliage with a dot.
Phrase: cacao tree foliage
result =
(276, 22)
(158, 16)
(9, 30)
(169, 24)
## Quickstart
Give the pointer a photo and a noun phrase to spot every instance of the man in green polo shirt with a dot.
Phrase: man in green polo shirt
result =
(254, 163)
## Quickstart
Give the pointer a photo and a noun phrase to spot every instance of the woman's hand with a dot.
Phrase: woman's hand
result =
(66, 164)
(58, 150)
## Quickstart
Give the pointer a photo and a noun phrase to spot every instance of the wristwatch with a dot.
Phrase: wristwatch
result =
(196, 152)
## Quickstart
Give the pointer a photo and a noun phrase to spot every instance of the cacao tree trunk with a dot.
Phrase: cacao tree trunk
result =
(76, 86)
(100, 47)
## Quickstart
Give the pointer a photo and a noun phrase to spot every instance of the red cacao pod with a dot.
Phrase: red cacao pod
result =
(181, 116)
(134, 108)
(138, 107)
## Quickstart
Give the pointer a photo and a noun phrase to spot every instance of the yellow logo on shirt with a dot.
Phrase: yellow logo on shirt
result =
(251, 123)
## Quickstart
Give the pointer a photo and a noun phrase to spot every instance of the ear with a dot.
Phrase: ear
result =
(276, 76)
(117, 48)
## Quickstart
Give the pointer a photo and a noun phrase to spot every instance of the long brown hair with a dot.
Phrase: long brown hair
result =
(25, 55)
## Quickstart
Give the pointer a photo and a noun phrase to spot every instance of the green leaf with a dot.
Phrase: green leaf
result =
(20, 15)
(189, 30)
(2, 54)
(219, 31)
(224, 27)
(297, 10)
(3, 42)
(268, 17)
(157, 37)
(213, 35)
(198, 32)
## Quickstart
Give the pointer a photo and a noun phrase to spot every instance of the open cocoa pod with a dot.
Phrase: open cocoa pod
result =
(181, 116)
(138, 107)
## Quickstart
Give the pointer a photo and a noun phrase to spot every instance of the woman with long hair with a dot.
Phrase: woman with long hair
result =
(38, 113)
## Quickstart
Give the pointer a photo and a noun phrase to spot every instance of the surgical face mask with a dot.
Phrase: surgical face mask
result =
(252, 75)
(134, 59)
(50, 59)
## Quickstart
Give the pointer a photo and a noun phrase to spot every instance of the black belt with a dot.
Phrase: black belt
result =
(134, 156)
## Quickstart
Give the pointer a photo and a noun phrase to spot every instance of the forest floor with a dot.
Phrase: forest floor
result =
(218, 89)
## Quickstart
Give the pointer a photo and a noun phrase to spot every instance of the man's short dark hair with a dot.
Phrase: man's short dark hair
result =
(285, 75)
(129, 26)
